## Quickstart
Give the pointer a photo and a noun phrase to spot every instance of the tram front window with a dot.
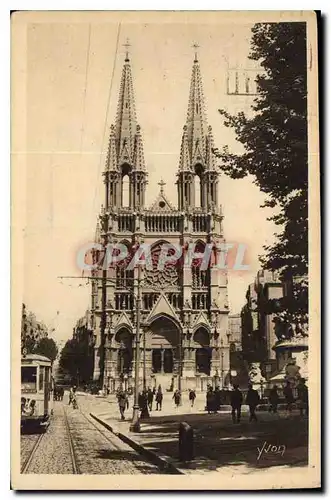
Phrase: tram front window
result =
(29, 378)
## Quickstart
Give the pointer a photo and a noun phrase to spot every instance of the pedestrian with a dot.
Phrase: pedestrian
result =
(273, 399)
(176, 398)
(192, 396)
(159, 398)
(236, 399)
(144, 404)
(217, 396)
(303, 399)
(123, 402)
(210, 400)
(74, 400)
(289, 398)
(71, 392)
(150, 397)
(252, 400)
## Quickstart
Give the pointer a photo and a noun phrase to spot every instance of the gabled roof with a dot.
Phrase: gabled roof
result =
(201, 320)
(161, 204)
(162, 307)
(123, 321)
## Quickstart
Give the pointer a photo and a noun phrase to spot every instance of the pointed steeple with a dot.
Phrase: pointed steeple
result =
(126, 120)
(111, 163)
(184, 159)
(139, 160)
(196, 120)
(125, 155)
(196, 155)
(210, 156)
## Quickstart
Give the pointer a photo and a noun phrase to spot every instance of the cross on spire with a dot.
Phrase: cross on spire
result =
(161, 184)
(195, 46)
(127, 45)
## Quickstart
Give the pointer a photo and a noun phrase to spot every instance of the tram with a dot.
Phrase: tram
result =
(36, 391)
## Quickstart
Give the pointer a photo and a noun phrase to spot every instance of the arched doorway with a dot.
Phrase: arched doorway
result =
(165, 346)
(203, 352)
(124, 360)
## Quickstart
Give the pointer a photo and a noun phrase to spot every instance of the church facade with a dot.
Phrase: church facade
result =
(184, 338)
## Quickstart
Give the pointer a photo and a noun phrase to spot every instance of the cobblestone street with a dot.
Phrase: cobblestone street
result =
(75, 444)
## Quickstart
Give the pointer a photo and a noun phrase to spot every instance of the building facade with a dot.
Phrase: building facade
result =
(184, 309)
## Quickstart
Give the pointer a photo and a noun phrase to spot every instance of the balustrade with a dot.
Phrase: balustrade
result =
(200, 223)
(124, 301)
(162, 223)
(126, 223)
(149, 299)
(175, 300)
(199, 300)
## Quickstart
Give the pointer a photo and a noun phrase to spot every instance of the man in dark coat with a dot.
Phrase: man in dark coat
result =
(236, 399)
(273, 399)
(123, 403)
(192, 396)
(159, 398)
(288, 394)
(176, 397)
(210, 400)
(150, 397)
(217, 396)
(144, 405)
(303, 397)
(252, 400)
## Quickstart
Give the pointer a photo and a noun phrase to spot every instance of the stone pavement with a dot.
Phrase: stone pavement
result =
(219, 444)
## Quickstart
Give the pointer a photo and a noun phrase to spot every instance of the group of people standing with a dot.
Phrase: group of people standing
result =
(253, 399)
(145, 401)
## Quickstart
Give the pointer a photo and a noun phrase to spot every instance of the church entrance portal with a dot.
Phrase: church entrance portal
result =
(165, 341)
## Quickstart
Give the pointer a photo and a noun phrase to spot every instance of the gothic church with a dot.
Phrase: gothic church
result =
(184, 311)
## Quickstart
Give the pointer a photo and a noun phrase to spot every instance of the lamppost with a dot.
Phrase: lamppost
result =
(180, 368)
(144, 358)
(222, 361)
(135, 425)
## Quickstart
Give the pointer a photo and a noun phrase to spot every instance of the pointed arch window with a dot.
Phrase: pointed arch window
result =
(198, 195)
(197, 190)
(125, 191)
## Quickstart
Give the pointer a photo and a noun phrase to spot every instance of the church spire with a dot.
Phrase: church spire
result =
(126, 120)
(125, 159)
(196, 120)
(197, 173)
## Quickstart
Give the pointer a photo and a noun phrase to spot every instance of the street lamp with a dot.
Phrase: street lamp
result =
(135, 425)
(222, 361)
(144, 358)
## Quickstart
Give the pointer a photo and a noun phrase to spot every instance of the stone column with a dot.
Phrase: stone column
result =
(188, 362)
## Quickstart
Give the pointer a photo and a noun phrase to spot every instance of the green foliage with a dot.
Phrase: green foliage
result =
(275, 144)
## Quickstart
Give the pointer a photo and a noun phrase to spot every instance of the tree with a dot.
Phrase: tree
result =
(46, 347)
(76, 360)
(275, 148)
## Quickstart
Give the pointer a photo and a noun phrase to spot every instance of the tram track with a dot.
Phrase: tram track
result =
(74, 462)
(27, 462)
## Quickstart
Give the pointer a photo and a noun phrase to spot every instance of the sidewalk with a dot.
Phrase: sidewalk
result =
(218, 443)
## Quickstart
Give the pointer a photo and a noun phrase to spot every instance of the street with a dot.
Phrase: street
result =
(75, 444)
(93, 440)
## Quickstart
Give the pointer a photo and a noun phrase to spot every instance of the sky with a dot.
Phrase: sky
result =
(73, 77)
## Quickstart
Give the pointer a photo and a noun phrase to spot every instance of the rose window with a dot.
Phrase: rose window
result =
(161, 276)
